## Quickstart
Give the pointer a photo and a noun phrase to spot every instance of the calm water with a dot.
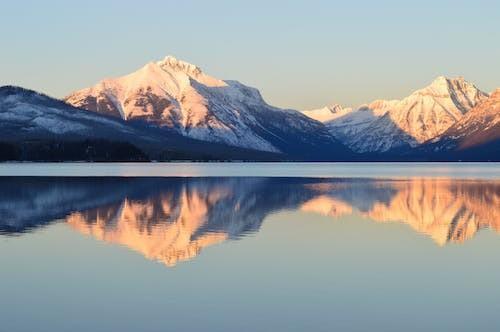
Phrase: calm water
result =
(376, 170)
(319, 248)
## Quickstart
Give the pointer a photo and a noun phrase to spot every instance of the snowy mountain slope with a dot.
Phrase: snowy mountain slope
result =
(385, 125)
(178, 95)
(350, 124)
(476, 133)
(428, 112)
(327, 113)
(28, 116)
(480, 125)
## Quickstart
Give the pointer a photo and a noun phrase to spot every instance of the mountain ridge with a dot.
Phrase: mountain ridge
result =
(476, 135)
(385, 125)
(172, 110)
(35, 126)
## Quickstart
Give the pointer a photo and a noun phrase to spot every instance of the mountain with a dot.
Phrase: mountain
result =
(327, 113)
(179, 96)
(353, 122)
(385, 125)
(172, 110)
(30, 114)
(34, 126)
(476, 135)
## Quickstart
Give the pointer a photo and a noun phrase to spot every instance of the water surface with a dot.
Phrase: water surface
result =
(410, 253)
(374, 170)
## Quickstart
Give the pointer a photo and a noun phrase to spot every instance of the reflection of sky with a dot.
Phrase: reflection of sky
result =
(300, 272)
(302, 54)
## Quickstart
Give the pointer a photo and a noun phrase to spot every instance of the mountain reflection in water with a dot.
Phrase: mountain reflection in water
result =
(173, 219)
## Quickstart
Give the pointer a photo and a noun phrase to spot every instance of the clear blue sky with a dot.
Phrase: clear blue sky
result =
(300, 54)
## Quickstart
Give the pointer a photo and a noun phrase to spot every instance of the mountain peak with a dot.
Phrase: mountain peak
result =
(458, 89)
(334, 108)
(445, 83)
(440, 78)
(178, 65)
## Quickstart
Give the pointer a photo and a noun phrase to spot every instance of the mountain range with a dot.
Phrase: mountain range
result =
(172, 110)
(398, 126)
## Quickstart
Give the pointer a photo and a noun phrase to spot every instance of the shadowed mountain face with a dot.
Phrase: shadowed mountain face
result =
(476, 136)
(173, 219)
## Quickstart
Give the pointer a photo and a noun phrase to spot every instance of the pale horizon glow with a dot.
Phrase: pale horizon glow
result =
(299, 54)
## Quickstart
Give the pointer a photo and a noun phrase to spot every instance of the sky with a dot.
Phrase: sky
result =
(300, 54)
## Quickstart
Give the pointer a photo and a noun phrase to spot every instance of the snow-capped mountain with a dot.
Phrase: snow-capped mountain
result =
(428, 112)
(478, 131)
(31, 114)
(327, 113)
(171, 110)
(175, 94)
(34, 126)
(40, 127)
(385, 125)
(347, 126)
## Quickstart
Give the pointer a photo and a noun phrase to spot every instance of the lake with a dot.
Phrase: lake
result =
(250, 247)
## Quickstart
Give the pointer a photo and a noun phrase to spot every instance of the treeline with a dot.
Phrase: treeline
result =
(87, 150)
(93, 151)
